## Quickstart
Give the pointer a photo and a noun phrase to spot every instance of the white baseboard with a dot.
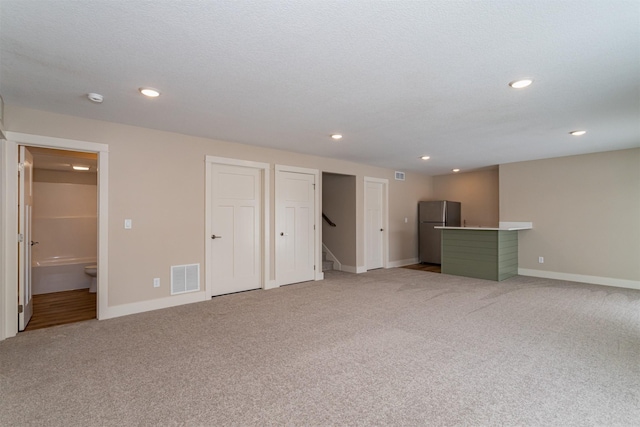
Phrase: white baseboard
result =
(154, 304)
(348, 268)
(595, 280)
(271, 284)
(402, 262)
(352, 269)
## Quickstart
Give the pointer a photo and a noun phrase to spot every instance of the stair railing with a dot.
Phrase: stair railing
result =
(326, 218)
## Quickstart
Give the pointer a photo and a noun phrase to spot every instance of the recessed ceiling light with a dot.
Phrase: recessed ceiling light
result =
(149, 91)
(95, 97)
(336, 136)
(425, 157)
(456, 170)
(80, 168)
(519, 84)
(578, 132)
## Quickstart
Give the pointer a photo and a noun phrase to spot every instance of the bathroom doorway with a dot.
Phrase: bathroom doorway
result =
(64, 233)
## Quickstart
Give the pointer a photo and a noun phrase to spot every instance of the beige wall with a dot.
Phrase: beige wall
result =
(477, 191)
(339, 204)
(403, 205)
(585, 211)
(157, 179)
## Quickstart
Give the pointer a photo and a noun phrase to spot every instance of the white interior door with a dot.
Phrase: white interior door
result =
(236, 224)
(295, 228)
(25, 204)
(374, 224)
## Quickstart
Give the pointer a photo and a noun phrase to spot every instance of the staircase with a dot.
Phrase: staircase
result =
(326, 264)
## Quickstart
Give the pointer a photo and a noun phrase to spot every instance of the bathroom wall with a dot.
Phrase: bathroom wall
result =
(65, 225)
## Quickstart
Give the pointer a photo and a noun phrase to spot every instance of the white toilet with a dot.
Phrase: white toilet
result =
(92, 270)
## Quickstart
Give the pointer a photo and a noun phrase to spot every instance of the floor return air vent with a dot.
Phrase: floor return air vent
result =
(185, 278)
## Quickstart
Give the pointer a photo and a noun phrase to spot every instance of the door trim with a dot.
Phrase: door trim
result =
(267, 283)
(385, 219)
(9, 220)
(317, 215)
(25, 212)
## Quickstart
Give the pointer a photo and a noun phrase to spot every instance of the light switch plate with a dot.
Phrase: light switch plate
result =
(127, 224)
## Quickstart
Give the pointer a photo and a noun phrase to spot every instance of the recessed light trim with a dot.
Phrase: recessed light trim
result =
(149, 92)
(80, 168)
(336, 136)
(425, 157)
(520, 84)
(455, 170)
(577, 132)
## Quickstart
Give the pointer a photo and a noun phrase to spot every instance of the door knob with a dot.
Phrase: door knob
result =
(381, 229)
(213, 236)
(34, 243)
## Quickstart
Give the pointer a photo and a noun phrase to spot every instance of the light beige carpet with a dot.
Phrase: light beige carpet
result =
(389, 347)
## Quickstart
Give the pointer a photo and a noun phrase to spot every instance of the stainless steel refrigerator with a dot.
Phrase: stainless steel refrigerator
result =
(435, 214)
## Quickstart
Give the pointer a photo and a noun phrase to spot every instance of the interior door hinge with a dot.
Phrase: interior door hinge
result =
(20, 238)
(20, 308)
(314, 186)
(20, 167)
(314, 268)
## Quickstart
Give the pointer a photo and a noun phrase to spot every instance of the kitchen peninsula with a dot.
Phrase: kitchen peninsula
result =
(482, 252)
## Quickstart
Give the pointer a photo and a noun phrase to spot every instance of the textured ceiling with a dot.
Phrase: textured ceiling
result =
(399, 79)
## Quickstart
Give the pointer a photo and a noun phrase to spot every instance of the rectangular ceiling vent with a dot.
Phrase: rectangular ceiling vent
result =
(185, 278)
(399, 176)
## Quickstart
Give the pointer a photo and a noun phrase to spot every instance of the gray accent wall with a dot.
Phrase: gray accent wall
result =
(483, 254)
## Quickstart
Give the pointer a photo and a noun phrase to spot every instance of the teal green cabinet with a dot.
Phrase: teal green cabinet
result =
(483, 254)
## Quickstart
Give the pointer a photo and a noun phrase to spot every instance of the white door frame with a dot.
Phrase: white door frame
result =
(385, 219)
(9, 220)
(317, 215)
(25, 221)
(265, 238)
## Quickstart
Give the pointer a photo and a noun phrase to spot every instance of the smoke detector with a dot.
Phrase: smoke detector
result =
(95, 97)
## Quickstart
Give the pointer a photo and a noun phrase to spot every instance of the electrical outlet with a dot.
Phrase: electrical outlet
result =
(156, 282)
(540, 260)
(127, 224)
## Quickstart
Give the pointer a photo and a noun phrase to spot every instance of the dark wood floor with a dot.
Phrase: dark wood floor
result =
(432, 268)
(59, 308)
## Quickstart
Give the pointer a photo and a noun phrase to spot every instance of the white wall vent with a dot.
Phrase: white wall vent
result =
(185, 278)
(399, 176)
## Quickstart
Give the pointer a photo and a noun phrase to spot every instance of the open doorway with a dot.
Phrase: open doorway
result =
(339, 222)
(61, 251)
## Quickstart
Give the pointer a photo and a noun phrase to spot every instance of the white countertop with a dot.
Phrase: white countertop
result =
(502, 226)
